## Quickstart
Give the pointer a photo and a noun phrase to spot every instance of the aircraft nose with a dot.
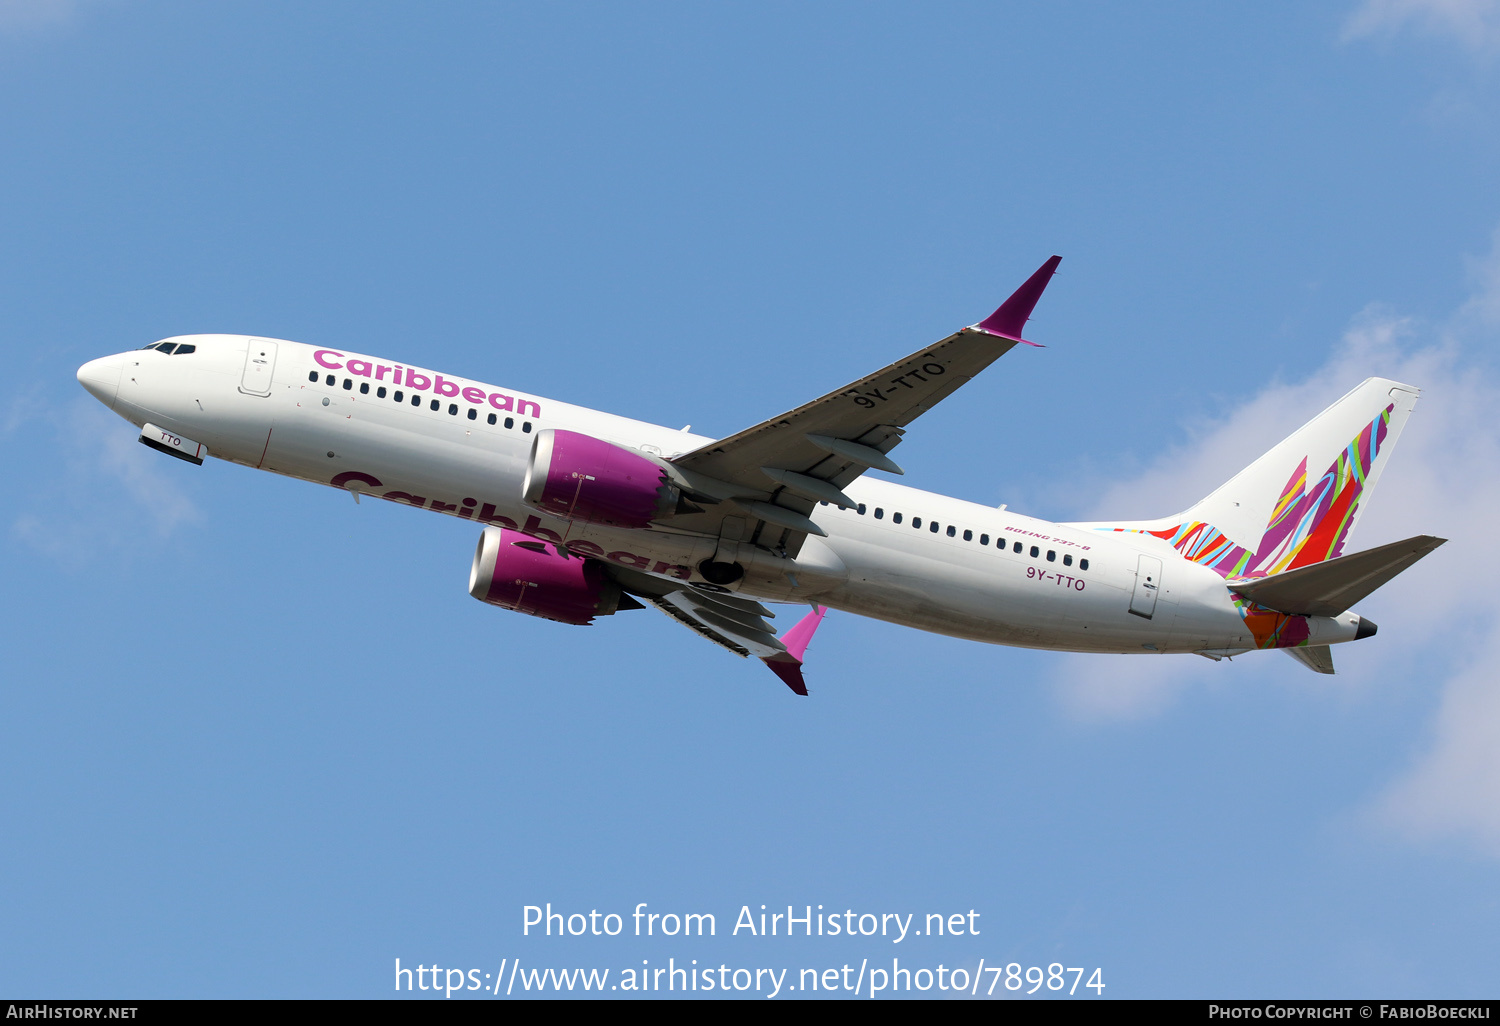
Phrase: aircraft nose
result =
(102, 378)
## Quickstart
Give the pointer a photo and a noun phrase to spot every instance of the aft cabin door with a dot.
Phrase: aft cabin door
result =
(1147, 585)
(260, 361)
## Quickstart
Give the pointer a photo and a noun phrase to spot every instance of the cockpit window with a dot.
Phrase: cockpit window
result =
(183, 349)
(166, 347)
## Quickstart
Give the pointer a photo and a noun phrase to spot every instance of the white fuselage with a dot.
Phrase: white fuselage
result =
(1069, 587)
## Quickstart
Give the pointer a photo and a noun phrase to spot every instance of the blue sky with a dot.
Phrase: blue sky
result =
(259, 742)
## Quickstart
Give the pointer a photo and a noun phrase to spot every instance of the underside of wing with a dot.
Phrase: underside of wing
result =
(741, 627)
(729, 621)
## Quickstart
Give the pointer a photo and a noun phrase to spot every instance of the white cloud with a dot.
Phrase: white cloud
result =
(1474, 24)
(1453, 789)
(93, 458)
(1115, 688)
(1442, 479)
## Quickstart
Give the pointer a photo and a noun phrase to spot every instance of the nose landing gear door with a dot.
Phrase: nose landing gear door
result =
(1147, 586)
(260, 361)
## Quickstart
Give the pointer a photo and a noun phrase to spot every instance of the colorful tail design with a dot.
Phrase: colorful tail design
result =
(1306, 525)
(1255, 525)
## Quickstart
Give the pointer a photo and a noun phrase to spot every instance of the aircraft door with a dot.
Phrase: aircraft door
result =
(1147, 586)
(260, 361)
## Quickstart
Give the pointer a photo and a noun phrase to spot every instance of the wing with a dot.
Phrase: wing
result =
(729, 621)
(779, 470)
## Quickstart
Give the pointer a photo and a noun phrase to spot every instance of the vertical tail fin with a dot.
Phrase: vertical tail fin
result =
(1286, 510)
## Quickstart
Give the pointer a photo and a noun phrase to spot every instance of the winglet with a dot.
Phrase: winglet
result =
(788, 665)
(1009, 320)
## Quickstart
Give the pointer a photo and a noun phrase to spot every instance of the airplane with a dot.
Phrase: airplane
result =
(585, 514)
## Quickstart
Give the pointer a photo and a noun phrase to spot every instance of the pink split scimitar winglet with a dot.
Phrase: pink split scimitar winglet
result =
(788, 665)
(1010, 319)
(797, 639)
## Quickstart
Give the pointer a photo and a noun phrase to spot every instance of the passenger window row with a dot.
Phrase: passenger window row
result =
(398, 395)
(933, 527)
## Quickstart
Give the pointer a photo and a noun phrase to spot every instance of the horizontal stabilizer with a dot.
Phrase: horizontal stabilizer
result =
(1316, 658)
(1333, 586)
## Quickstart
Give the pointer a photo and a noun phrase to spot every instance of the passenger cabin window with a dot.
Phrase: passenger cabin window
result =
(380, 392)
(1018, 547)
(329, 382)
(984, 539)
(895, 518)
(364, 388)
(526, 425)
(510, 422)
(861, 509)
(1052, 555)
(453, 409)
(933, 527)
(400, 396)
(1035, 552)
(952, 532)
(312, 376)
(916, 522)
(436, 405)
(1067, 560)
(348, 384)
(491, 419)
(1083, 564)
(879, 513)
(473, 413)
(968, 535)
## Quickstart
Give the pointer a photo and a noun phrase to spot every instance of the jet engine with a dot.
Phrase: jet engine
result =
(585, 478)
(516, 571)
